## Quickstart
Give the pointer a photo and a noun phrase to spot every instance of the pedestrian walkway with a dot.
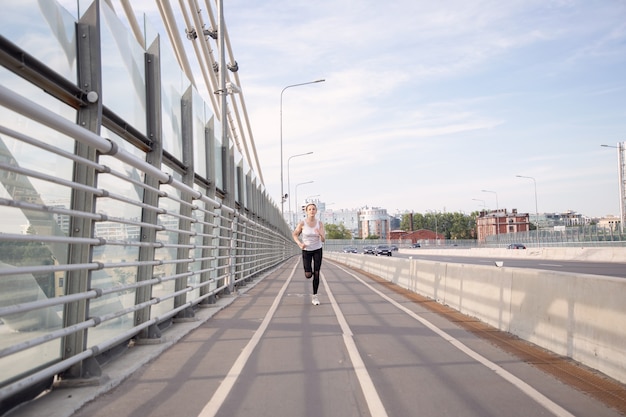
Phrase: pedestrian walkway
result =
(366, 350)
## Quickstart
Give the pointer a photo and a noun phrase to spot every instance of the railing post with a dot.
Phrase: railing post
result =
(90, 117)
(151, 198)
(185, 210)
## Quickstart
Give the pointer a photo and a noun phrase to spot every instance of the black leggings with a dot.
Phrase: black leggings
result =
(313, 257)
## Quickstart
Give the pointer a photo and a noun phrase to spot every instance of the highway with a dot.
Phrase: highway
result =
(611, 269)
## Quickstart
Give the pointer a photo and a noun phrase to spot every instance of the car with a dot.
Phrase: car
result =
(369, 250)
(382, 250)
(516, 246)
(350, 249)
(394, 247)
(416, 245)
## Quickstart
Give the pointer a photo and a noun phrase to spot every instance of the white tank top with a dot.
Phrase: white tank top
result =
(310, 237)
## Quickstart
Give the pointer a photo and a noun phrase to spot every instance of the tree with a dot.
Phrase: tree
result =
(334, 231)
(452, 225)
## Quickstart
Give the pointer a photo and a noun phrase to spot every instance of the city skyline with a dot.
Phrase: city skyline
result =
(398, 214)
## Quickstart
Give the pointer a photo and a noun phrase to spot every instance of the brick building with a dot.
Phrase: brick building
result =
(500, 222)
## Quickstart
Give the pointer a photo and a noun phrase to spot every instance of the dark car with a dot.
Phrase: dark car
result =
(516, 246)
(369, 250)
(350, 249)
(382, 250)
(416, 245)
(394, 247)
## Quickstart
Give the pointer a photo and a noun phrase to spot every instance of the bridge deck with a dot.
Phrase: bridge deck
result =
(365, 351)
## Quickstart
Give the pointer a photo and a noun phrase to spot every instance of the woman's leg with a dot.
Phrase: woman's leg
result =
(317, 264)
(307, 258)
(316, 281)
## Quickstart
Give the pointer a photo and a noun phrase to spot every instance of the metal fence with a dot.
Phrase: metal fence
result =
(579, 236)
(115, 218)
(582, 236)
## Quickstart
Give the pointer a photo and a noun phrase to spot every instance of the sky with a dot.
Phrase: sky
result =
(426, 104)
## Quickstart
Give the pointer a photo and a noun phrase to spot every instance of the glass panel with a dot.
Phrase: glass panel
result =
(173, 85)
(199, 137)
(246, 183)
(113, 230)
(123, 71)
(217, 155)
(19, 187)
(236, 186)
(45, 30)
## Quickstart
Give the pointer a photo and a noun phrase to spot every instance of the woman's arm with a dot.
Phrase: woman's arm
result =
(322, 232)
(296, 233)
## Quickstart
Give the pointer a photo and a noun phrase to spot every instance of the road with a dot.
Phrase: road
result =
(367, 350)
(611, 269)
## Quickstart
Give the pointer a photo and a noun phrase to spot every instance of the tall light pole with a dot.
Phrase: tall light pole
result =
(289, 186)
(621, 175)
(497, 217)
(282, 191)
(297, 185)
(536, 209)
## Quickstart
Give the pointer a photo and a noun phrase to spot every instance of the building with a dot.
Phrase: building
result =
(499, 222)
(349, 219)
(568, 218)
(363, 222)
(374, 222)
(611, 222)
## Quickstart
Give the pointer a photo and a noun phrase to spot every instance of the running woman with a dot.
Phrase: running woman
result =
(313, 235)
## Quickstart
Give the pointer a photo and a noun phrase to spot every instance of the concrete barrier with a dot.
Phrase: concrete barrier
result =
(608, 254)
(575, 315)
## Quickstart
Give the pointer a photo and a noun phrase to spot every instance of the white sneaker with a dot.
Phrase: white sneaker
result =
(315, 301)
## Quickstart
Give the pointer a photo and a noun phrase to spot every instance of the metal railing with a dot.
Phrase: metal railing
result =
(108, 232)
(233, 247)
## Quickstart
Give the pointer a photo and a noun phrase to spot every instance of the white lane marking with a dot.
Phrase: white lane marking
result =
(556, 265)
(214, 404)
(544, 401)
(372, 398)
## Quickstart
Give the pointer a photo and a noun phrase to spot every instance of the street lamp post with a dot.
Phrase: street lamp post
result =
(536, 209)
(297, 185)
(289, 186)
(482, 201)
(497, 217)
(282, 191)
(621, 167)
